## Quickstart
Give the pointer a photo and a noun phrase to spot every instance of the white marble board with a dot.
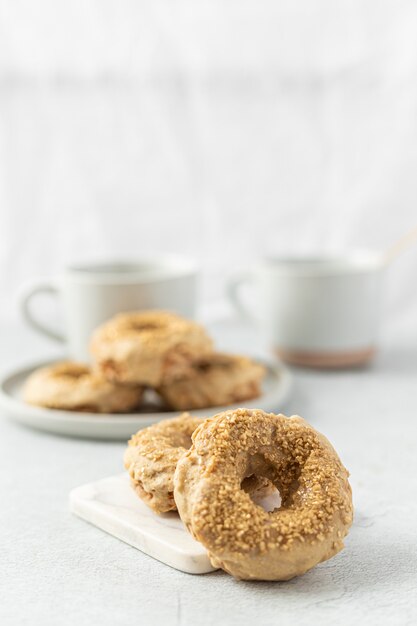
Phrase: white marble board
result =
(112, 505)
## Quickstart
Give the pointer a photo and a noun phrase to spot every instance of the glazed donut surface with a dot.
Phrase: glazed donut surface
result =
(75, 387)
(148, 347)
(217, 380)
(240, 537)
(151, 458)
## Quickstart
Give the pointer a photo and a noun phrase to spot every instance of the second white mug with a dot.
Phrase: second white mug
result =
(91, 294)
(319, 312)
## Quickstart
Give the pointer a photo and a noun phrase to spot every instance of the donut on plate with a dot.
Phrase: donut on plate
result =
(148, 347)
(242, 538)
(75, 387)
(152, 455)
(216, 380)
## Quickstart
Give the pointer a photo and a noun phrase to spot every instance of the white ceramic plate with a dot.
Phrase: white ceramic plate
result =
(276, 388)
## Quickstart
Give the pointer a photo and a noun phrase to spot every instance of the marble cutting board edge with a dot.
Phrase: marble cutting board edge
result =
(111, 505)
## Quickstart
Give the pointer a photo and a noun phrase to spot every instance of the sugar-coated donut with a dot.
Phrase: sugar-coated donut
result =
(152, 456)
(75, 387)
(242, 538)
(216, 380)
(148, 347)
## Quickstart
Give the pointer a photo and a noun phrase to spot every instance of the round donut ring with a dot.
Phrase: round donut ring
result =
(240, 537)
(74, 387)
(148, 348)
(217, 380)
(152, 456)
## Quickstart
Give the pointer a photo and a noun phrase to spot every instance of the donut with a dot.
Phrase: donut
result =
(242, 538)
(151, 458)
(216, 380)
(152, 455)
(75, 387)
(148, 348)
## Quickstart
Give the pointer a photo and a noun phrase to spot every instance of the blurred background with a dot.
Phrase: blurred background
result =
(222, 129)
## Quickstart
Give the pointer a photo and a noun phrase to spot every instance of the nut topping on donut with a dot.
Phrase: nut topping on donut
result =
(246, 541)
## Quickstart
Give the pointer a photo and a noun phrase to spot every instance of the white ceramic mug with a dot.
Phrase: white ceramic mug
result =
(93, 293)
(319, 312)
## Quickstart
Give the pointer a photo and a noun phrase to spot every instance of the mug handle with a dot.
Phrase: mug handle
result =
(233, 292)
(25, 307)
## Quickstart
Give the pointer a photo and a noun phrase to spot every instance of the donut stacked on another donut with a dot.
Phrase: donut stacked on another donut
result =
(217, 380)
(175, 357)
(241, 537)
(148, 348)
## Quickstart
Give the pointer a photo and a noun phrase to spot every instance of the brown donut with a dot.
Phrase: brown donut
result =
(74, 387)
(151, 458)
(242, 538)
(216, 380)
(148, 348)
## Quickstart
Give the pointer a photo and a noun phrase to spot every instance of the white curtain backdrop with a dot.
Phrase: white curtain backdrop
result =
(221, 129)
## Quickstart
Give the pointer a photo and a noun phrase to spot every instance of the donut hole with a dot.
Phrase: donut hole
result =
(71, 373)
(203, 367)
(216, 362)
(281, 476)
(139, 326)
(267, 496)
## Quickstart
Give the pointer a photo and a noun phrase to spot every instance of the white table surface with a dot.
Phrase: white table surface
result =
(58, 570)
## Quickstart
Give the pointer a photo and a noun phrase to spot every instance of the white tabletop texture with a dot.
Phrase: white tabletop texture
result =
(58, 570)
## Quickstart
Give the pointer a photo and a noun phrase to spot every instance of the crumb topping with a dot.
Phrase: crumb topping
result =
(168, 439)
(151, 458)
(287, 451)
